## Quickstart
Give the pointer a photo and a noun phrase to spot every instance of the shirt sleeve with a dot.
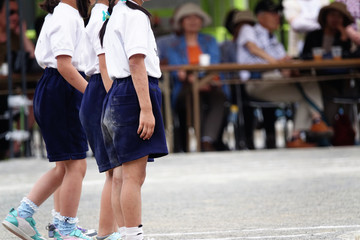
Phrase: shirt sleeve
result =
(62, 37)
(95, 39)
(246, 34)
(136, 34)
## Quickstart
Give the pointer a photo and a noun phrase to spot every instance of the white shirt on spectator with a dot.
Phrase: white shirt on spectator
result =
(128, 33)
(303, 18)
(63, 33)
(94, 48)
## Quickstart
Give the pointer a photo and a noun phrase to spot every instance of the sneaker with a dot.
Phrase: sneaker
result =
(299, 143)
(320, 128)
(87, 232)
(74, 235)
(21, 227)
(114, 236)
(52, 231)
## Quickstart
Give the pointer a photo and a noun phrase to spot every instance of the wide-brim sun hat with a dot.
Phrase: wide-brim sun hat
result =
(188, 9)
(337, 6)
(244, 16)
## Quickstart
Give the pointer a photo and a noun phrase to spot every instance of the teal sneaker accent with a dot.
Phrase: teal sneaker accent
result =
(74, 235)
(114, 236)
(23, 228)
(53, 232)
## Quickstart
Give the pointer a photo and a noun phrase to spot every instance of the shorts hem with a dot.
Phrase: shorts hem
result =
(64, 157)
(105, 168)
(135, 156)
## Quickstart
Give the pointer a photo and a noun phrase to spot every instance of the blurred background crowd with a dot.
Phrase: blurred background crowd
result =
(228, 31)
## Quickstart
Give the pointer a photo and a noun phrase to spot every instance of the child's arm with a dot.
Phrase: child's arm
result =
(141, 84)
(104, 73)
(69, 72)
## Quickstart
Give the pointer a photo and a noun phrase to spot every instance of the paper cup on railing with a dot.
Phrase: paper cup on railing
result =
(204, 59)
(317, 53)
(336, 52)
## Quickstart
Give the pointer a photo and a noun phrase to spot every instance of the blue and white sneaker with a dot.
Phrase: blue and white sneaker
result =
(21, 227)
(114, 236)
(74, 235)
(52, 231)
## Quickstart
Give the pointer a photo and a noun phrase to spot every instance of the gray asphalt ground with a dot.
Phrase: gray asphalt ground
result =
(276, 194)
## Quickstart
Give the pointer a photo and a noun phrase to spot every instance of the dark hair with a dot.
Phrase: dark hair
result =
(1, 4)
(229, 23)
(110, 9)
(49, 5)
(137, 7)
(83, 7)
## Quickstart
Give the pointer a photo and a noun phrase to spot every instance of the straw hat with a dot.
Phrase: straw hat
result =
(244, 16)
(337, 6)
(190, 9)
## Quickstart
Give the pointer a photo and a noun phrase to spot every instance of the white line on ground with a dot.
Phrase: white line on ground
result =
(256, 230)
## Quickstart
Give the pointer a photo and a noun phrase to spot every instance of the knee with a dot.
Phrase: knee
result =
(76, 166)
(59, 170)
(135, 178)
(117, 180)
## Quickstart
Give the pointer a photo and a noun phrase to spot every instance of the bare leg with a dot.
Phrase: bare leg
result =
(47, 185)
(107, 222)
(71, 187)
(134, 173)
(57, 192)
(57, 200)
(115, 196)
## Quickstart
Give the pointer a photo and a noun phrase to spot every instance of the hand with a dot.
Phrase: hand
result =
(191, 78)
(285, 59)
(146, 124)
(342, 30)
(182, 75)
(24, 28)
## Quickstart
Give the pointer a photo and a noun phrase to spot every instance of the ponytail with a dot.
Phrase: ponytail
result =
(103, 28)
(83, 7)
(137, 7)
(49, 5)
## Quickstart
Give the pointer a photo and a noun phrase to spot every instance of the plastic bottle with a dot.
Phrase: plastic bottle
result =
(280, 125)
(230, 128)
(259, 134)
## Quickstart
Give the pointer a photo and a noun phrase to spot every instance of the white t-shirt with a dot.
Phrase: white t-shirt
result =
(94, 48)
(63, 33)
(128, 33)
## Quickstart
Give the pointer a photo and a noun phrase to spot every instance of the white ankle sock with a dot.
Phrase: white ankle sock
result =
(122, 231)
(134, 233)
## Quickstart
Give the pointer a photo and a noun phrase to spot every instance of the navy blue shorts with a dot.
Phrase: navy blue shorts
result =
(120, 121)
(56, 110)
(90, 116)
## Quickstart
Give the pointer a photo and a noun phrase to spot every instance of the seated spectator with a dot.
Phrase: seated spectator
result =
(186, 48)
(258, 44)
(234, 20)
(333, 19)
(15, 25)
(302, 17)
